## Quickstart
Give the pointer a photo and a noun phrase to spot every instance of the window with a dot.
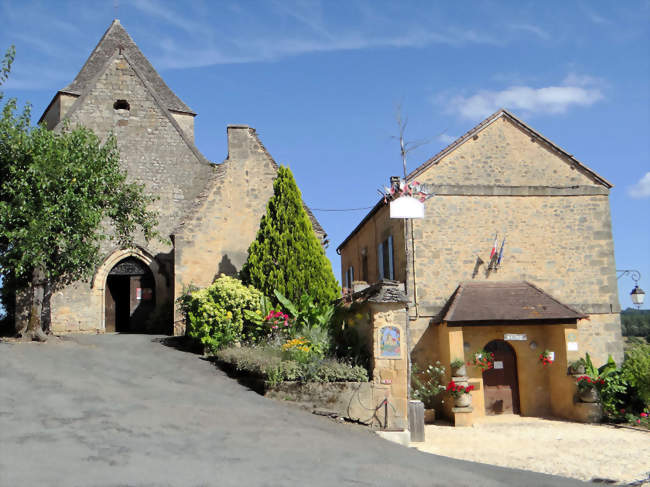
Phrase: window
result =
(349, 277)
(121, 105)
(364, 265)
(385, 259)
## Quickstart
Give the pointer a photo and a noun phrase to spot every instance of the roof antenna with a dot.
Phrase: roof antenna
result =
(116, 7)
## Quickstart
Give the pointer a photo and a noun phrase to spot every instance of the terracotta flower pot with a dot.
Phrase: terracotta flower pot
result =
(429, 416)
(588, 395)
(463, 400)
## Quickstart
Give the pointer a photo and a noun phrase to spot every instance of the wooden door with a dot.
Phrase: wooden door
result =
(109, 316)
(500, 383)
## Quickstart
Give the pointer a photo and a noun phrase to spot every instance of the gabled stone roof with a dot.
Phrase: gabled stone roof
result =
(384, 291)
(116, 38)
(489, 302)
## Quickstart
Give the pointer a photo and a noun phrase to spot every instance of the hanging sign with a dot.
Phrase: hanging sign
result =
(513, 337)
(498, 364)
(406, 207)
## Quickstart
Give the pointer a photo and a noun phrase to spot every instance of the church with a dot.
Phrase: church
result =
(208, 213)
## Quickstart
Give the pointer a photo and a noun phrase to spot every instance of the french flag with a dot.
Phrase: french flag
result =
(494, 246)
(501, 251)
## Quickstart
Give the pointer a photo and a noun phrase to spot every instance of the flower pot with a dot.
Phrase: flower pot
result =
(577, 370)
(459, 371)
(588, 395)
(463, 400)
(429, 416)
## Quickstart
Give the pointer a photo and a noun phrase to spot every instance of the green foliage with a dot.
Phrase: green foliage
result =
(267, 363)
(636, 370)
(286, 255)
(635, 322)
(215, 315)
(426, 384)
(61, 195)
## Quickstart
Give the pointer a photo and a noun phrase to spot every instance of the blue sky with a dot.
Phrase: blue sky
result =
(320, 82)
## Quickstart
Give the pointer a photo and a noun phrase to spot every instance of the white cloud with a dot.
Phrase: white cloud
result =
(642, 188)
(532, 29)
(575, 91)
(446, 139)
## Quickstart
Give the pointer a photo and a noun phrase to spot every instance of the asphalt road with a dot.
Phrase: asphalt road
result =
(127, 410)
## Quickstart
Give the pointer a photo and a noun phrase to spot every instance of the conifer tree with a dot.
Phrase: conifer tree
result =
(286, 255)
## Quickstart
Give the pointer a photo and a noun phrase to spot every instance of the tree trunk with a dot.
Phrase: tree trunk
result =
(34, 327)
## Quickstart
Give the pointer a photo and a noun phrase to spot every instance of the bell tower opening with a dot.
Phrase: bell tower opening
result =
(130, 296)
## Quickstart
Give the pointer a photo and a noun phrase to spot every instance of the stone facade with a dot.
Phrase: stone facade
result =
(208, 213)
(504, 178)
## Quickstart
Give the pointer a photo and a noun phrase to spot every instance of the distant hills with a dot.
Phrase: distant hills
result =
(636, 323)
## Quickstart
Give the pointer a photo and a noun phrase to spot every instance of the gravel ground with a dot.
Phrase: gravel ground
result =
(580, 451)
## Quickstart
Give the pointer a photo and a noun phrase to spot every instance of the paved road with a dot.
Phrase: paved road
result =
(126, 410)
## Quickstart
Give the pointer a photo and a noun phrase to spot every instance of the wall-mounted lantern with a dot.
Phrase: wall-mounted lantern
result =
(637, 295)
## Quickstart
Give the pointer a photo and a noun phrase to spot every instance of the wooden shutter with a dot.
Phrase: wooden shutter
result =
(391, 273)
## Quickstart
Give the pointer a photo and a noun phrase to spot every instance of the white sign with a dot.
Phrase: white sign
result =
(551, 355)
(498, 364)
(406, 207)
(515, 337)
(572, 346)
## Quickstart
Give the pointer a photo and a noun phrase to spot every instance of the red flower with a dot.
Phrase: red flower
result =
(644, 415)
(638, 421)
(622, 411)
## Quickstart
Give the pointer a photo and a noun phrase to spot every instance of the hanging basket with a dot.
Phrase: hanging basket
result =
(406, 207)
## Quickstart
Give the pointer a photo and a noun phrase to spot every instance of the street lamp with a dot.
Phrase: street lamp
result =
(637, 295)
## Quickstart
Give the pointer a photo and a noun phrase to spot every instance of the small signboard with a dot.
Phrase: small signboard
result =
(515, 337)
(138, 293)
(498, 364)
(572, 346)
(406, 207)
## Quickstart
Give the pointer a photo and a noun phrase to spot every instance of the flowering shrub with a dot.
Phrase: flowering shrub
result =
(426, 384)
(482, 359)
(268, 363)
(456, 390)
(545, 357)
(298, 349)
(215, 315)
(277, 319)
(585, 383)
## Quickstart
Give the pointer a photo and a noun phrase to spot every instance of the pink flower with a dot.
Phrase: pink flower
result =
(644, 415)
(638, 421)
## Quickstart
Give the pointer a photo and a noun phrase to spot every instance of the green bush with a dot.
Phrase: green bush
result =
(267, 363)
(215, 315)
(636, 370)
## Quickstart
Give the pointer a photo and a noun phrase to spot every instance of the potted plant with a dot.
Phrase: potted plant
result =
(546, 357)
(482, 359)
(588, 388)
(460, 393)
(458, 368)
(426, 386)
(577, 367)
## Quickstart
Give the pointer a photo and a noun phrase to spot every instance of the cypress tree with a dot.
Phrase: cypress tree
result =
(286, 255)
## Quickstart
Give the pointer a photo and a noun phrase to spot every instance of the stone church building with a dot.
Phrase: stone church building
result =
(208, 213)
(554, 287)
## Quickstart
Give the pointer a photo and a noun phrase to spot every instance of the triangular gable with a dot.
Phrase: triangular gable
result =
(117, 38)
(89, 85)
(534, 134)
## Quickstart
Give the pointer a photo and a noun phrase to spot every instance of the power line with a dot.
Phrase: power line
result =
(341, 209)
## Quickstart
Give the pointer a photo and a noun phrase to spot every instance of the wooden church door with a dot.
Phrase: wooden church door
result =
(500, 382)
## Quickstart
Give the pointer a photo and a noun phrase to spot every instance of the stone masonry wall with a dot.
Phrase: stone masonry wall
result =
(154, 153)
(226, 219)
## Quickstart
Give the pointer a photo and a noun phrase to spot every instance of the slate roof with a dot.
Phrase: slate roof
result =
(384, 291)
(491, 302)
(117, 38)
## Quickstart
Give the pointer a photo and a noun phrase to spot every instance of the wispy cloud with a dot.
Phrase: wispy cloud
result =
(642, 188)
(532, 29)
(575, 91)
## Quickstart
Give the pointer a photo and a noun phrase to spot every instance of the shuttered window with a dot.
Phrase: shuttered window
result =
(385, 262)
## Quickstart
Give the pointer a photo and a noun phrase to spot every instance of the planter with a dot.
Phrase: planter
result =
(459, 371)
(577, 370)
(463, 400)
(588, 395)
(429, 416)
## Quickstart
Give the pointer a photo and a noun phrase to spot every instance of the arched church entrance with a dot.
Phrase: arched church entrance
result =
(129, 296)
(500, 383)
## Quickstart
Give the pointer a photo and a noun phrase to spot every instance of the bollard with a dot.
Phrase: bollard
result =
(416, 420)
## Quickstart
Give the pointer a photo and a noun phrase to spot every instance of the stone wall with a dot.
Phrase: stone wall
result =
(215, 239)
(554, 214)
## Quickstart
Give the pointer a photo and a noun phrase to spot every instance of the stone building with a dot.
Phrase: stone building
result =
(553, 289)
(208, 213)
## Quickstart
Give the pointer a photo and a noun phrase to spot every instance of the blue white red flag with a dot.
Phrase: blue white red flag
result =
(494, 246)
(501, 251)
